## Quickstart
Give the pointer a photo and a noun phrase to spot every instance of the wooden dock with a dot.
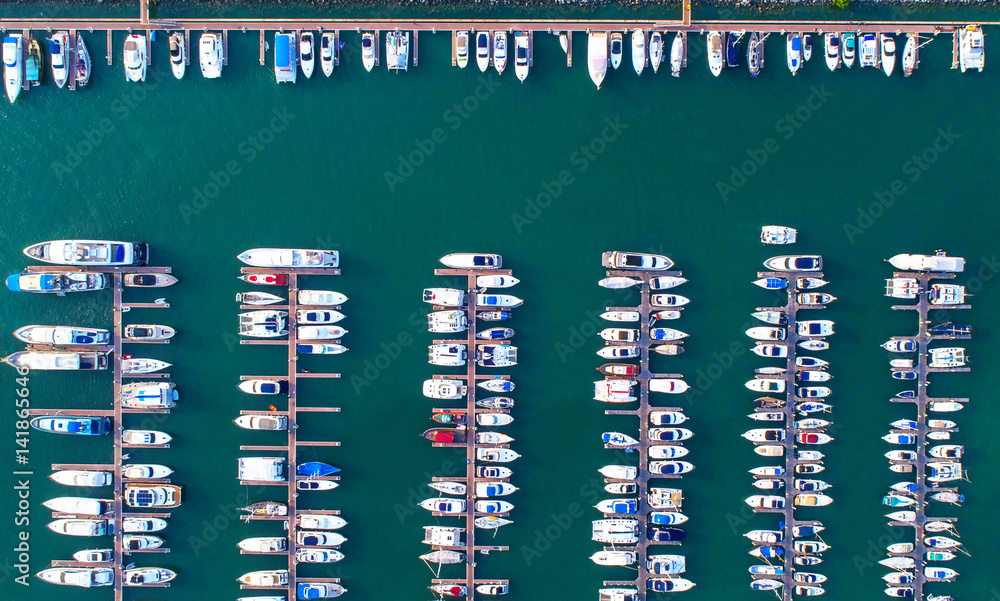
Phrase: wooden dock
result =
(924, 489)
(644, 477)
(293, 443)
(471, 378)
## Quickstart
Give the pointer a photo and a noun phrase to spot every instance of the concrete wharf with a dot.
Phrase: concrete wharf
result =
(471, 377)
(924, 489)
(791, 460)
(644, 477)
(290, 448)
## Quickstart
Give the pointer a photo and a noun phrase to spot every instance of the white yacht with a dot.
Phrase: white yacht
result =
(147, 576)
(82, 577)
(80, 506)
(89, 478)
(638, 50)
(938, 262)
(616, 531)
(89, 252)
(368, 42)
(62, 335)
(887, 47)
(397, 50)
(327, 52)
(444, 297)
(462, 48)
(178, 55)
(655, 50)
(83, 62)
(210, 55)
(290, 257)
(831, 45)
(910, 61)
(521, 55)
(868, 50)
(677, 53)
(500, 51)
(13, 65)
(145, 471)
(135, 57)
(59, 54)
(848, 41)
(616, 50)
(483, 50)
(970, 49)
(447, 355)
(148, 395)
(265, 578)
(145, 438)
(262, 422)
(778, 234)
(472, 261)
(447, 321)
(793, 51)
(597, 56)
(285, 57)
(307, 53)
(715, 52)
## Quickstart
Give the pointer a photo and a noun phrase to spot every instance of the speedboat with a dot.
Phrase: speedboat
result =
(263, 544)
(133, 524)
(807, 50)
(496, 455)
(89, 252)
(620, 334)
(795, 263)
(80, 506)
(814, 298)
(764, 435)
(145, 471)
(847, 48)
(638, 50)
(152, 495)
(831, 45)
(147, 576)
(665, 282)
(145, 438)
(778, 234)
(327, 52)
(368, 50)
(472, 261)
(814, 328)
(910, 54)
(262, 386)
(495, 334)
(499, 51)
(147, 332)
(668, 300)
(755, 54)
(766, 385)
(868, 50)
(505, 301)
(265, 578)
(68, 424)
(90, 478)
(493, 507)
(793, 52)
(148, 395)
(58, 361)
(307, 53)
(320, 298)
(289, 257)
(142, 366)
(668, 385)
(59, 53)
(616, 50)
(887, 46)
(310, 484)
(618, 352)
(82, 577)
(770, 350)
(666, 334)
(82, 62)
(678, 53)
(95, 555)
(79, 527)
(134, 57)
(659, 451)
(936, 263)
(495, 472)
(767, 333)
(178, 62)
(62, 335)
(597, 56)
(210, 54)
(970, 48)
(262, 422)
(496, 281)
(619, 472)
(13, 70)
(319, 521)
(149, 280)
(715, 52)
(319, 539)
(613, 558)
(320, 332)
(667, 468)
(483, 50)
(521, 62)
(316, 317)
(462, 48)
(668, 585)
(655, 50)
(669, 434)
(772, 283)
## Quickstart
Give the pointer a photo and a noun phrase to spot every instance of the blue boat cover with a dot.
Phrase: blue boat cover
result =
(282, 50)
(308, 591)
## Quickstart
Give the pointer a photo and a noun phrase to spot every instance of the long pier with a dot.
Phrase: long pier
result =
(922, 490)
(471, 378)
(789, 443)
(643, 478)
(290, 448)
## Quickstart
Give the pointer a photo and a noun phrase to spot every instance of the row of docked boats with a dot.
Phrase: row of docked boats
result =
(481, 491)
(24, 62)
(925, 442)
(491, 49)
(788, 426)
(640, 514)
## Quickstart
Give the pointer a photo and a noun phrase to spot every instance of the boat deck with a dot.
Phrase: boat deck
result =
(645, 308)
(470, 582)
(923, 307)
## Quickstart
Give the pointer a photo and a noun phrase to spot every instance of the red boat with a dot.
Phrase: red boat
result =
(457, 418)
(619, 369)
(266, 279)
(445, 435)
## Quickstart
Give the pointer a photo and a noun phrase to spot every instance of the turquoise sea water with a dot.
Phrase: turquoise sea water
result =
(549, 173)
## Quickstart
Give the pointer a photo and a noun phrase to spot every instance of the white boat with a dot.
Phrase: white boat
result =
(494, 489)
(505, 301)
(946, 294)
(59, 54)
(130, 524)
(317, 317)
(145, 438)
(597, 56)
(147, 332)
(285, 57)
(444, 297)
(210, 55)
(678, 53)
(500, 51)
(59, 361)
(262, 422)
(770, 350)
(13, 65)
(83, 62)
(80, 506)
(263, 323)
(262, 298)
(94, 555)
(89, 252)
(320, 332)
(142, 366)
(81, 577)
(615, 531)
(778, 234)
(483, 50)
(666, 452)
(946, 357)
(767, 333)
(264, 544)
(668, 385)
(496, 455)
(79, 527)
(497, 384)
(444, 556)
(618, 352)
(397, 51)
(613, 558)
(655, 50)
(149, 395)
(462, 48)
(937, 263)
(848, 42)
(831, 46)
(806, 47)
(444, 389)
(615, 390)
(134, 57)
(666, 334)
(766, 385)
(320, 298)
(619, 472)
(447, 355)
(668, 300)
(814, 328)
(521, 62)
(795, 263)
(496, 281)
(887, 47)
(667, 418)
(813, 376)
(868, 50)
(82, 478)
(307, 53)
(62, 335)
(368, 42)
(289, 257)
(315, 538)
(970, 48)
(320, 521)
(771, 317)
(910, 54)
(265, 578)
(309, 484)
(619, 316)
(145, 471)
(447, 321)
(793, 52)
(638, 50)
(493, 419)
(619, 334)
(147, 576)
(617, 49)
(715, 52)
(898, 563)
(327, 52)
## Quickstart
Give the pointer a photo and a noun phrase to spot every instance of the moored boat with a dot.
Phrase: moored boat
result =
(289, 257)
(178, 62)
(13, 49)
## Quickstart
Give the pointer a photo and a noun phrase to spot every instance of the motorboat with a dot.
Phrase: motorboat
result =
(667, 418)
(309, 538)
(263, 544)
(620, 316)
(499, 51)
(265, 578)
(898, 578)
(262, 422)
(814, 328)
(793, 52)
(670, 468)
(178, 55)
(145, 471)
(769, 484)
(483, 50)
(494, 489)
(678, 53)
(495, 472)
(765, 537)
(102, 253)
(492, 589)
(811, 500)
(147, 576)
(145, 438)
(617, 43)
(667, 518)
(446, 436)
(665, 334)
(766, 385)
(811, 424)
(901, 345)
(290, 257)
(778, 234)
(495, 334)
(68, 424)
(160, 496)
(668, 300)
(447, 321)
(80, 506)
(946, 294)
(910, 61)
(320, 349)
(868, 50)
(134, 57)
(264, 323)
(810, 362)
(665, 282)
(615, 390)
(328, 52)
(472, 261)
(768, 416)
(813, 376)
(310, 484)
(497, 384)
(714, 44)
(494, 315)
(521, 60)
(970, 48)
(613, 558)
(89, 478)
(316, 469)
(368, 42)
(320, 521)
(664, 498)
(320, 332)
(142, 366)
(81, 577)
(505, 301)
(795, 263)
(82, 62)
(619, 472)
(149, 395)
(444, 389)
(806, 47)
(770, 350)
(669, 434)
(210, 54)
(285, 57)
(496, 281)
(57, 361)
(769, 450)
(265, 279)
(135, 525)
(946, 451)
(638, 50)
(618, 352)
(317, 317)
(831, 46)
(462, 48)
(496, 402)
(95, 555)
(619, 334)
(668, 584)
(448, 590)
(307, 53)
(847, 48)
(808, 283)
(814, 298)
(444, 297)
(79, 526)
(887, 48)
(668, 385)
(635, 261)
(655, 50)
(59, 53)
(768, 404)
(62, 335)
(493, 507)
(764, 435)
(13, 55)
(448, 355)
(615, 531)
(496, 455)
